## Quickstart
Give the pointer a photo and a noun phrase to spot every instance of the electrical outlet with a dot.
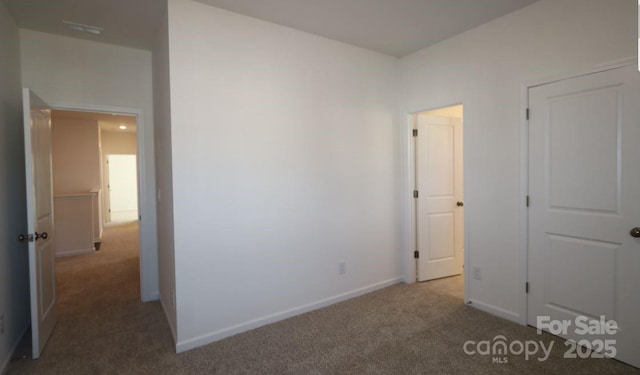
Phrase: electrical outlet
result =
(477, 274)
(2, 324)
(342, 267)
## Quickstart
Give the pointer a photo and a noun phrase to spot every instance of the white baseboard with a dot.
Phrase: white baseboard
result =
(124, 216)
(75, 252)
(4, 365)
(208, 338)
(497, 311)
(153, 296)
(171, 327)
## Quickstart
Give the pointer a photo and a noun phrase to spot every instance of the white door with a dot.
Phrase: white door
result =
(439, 204)
(123, 187)
(584, 183)
(37, 140)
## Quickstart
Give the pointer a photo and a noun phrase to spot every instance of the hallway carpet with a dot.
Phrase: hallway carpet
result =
(103, 328)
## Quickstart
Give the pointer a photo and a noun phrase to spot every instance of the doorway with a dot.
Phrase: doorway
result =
(83, 143)
(439, 191)
(146, 193)
(77, 183)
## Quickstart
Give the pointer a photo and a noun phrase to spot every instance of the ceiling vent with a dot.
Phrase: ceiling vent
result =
(83, 28)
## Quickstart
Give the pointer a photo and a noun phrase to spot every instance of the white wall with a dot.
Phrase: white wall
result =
(75, 155)
(72, 72)
(121, 143)
(284, 164)
(484, 69)
(114, 142)
(75, 160)
(123, 186)
(14, 276)
(453, 111)
(164, 175)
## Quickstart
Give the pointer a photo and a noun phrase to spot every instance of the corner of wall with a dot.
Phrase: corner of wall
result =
(164, 176)
(14, 275)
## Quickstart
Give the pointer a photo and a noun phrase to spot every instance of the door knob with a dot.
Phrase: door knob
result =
(635, 232)
(43, 235)
(459, 204)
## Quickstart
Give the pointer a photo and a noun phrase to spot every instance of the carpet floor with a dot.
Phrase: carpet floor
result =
(103, 328)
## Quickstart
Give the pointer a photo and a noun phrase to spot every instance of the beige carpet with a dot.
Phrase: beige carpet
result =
(403, 329)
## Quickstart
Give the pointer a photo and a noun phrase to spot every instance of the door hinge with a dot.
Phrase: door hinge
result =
(415, 132)
(527, 113)
(526, 287)
(416, 254)
(415, 194)
(528, 201)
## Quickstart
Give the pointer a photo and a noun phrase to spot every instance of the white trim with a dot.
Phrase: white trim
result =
(408, 206)
(208, 338)
(147, 292)
(171, 327)
(494, 310)
(154, 297)
(523, 209)
(597, 68)
(466, 270)
(631, 60)
(4, 366)
(524, 165)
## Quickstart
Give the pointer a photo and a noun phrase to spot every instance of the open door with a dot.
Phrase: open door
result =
(439, 205)
(37, 141)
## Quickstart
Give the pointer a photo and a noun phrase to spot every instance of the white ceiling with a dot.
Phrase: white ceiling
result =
(394, 27)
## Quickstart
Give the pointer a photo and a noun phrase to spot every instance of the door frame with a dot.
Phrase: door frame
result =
(147, 292)
(523, 254)
(409, 224)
